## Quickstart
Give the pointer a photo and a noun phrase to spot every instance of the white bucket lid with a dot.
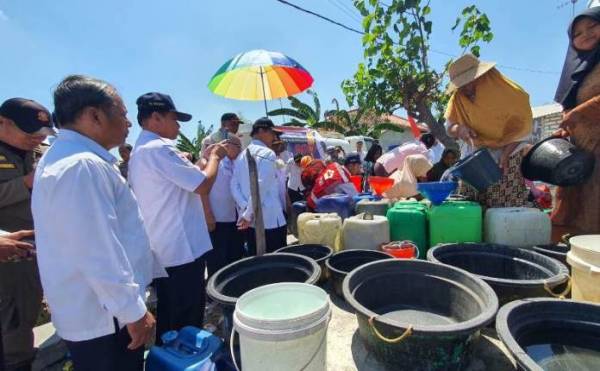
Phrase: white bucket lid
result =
(586, 248)
(281, 310)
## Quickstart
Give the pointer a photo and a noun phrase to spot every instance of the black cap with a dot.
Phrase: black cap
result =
(28, 115)
(158, 102)
(230, 117)
(352, 158)
(263, 123)
(298, 157)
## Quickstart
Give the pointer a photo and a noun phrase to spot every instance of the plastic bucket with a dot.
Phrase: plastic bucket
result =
(343, 262)
(318, 253)
(549, 334)
(479, 170)
(557, 161)
(417, 315)
(401, 250)
(584, 259)
(557, 251)
(513, 273)
(283, 326)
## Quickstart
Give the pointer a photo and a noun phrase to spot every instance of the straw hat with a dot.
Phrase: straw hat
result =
(465, 70)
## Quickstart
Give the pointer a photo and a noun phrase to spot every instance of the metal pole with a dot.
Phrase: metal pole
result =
(262, 80)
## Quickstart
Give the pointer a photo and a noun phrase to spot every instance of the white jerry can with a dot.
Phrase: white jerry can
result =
(517, 226)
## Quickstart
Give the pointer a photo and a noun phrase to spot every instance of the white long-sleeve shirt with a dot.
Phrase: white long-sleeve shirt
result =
(93, 254)
(272, 194)
(164, 184)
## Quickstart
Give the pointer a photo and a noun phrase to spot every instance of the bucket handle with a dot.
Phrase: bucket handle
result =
(407, 333)
(559, 295)
(231, 350)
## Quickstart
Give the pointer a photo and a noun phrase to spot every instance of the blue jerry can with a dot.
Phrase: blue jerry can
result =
(190, 349)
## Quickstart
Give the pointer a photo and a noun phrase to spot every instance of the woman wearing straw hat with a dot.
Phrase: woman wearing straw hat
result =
(488, 110)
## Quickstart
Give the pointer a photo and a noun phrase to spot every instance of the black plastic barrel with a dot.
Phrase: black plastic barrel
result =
(344, 262)
(418, 315)
(557, 251)
(318, 253)
(234, 280)
(478, 169)
(549, 334)
(557, 161)
(513, 273)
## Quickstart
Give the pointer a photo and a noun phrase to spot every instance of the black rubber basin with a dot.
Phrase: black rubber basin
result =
(438, 308)
(550, 334)
(234, 280)
(513, 273)
(318, 253)
(557, 251)
(344, 262)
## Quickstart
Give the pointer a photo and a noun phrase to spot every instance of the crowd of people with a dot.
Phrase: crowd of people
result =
(106, 230)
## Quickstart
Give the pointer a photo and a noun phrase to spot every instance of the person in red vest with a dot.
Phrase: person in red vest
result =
(321, 180)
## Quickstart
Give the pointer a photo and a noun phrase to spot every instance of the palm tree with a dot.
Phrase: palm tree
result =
(353, 123)
(194, 145)
(302, 114)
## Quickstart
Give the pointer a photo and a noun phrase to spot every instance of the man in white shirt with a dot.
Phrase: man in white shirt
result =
(94, 256)
(230, 124)
(168, 188)
(272, 195)
(295, 187)
(220, 209)
(394, 160)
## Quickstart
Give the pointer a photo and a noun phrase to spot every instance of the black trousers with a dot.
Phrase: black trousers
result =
(106, 353)
(228, 247)
(1, 352)
(295, 195)
(276, 238)
(181, 297)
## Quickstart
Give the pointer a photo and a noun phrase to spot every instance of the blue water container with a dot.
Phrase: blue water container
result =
(190, 349)
(336, 203)
(365, 196)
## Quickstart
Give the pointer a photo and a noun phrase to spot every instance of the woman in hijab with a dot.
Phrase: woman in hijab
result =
(577, 208)
(374, 153)
(414, 169)
(449, 158)
(488, 110)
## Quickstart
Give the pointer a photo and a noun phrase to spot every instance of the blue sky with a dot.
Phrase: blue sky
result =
(176, 46)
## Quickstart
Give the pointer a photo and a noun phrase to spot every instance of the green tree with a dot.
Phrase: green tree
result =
(193, 145)
(396, 73)
(302, 114)
(360, 123)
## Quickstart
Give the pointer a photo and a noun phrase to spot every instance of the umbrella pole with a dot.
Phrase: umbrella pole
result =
(262, 80)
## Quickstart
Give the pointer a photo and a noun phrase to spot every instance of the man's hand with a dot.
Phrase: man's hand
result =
(211, 223)
(219, 150)
(28, 180)
(243, 224)
(141, 331)
(11, 247)
(570, 120)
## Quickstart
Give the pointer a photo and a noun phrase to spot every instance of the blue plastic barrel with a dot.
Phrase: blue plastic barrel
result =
(340, 204)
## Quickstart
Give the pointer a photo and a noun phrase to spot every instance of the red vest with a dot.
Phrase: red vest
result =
(330, 177)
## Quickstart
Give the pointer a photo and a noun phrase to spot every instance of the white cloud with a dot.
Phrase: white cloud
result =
(3, 16)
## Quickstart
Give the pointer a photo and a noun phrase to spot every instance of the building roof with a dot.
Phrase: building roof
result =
(372, 119)
(548, 109)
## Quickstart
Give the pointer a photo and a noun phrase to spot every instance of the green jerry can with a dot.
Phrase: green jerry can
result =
(455, 222)
(408, 221)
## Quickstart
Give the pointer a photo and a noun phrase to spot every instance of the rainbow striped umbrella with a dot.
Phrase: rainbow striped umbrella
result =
(260, 75)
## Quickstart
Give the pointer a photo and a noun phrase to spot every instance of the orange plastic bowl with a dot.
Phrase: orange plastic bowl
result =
(357, 181)
(380, 184)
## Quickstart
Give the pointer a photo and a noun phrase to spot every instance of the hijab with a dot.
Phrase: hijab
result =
(577, 64)
(405, 180)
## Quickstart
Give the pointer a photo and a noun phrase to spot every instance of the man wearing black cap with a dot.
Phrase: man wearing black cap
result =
(24, 124)
(169, 188)
(353, 163)
(271, 188)
(230, 123)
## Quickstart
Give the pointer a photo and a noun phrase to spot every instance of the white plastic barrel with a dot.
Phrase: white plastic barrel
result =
(584, 259)
(283, 327)
(365, 232)
(320, 228)
(517, 226)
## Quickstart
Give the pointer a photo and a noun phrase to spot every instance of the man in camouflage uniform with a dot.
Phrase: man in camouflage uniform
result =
(24, 124)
